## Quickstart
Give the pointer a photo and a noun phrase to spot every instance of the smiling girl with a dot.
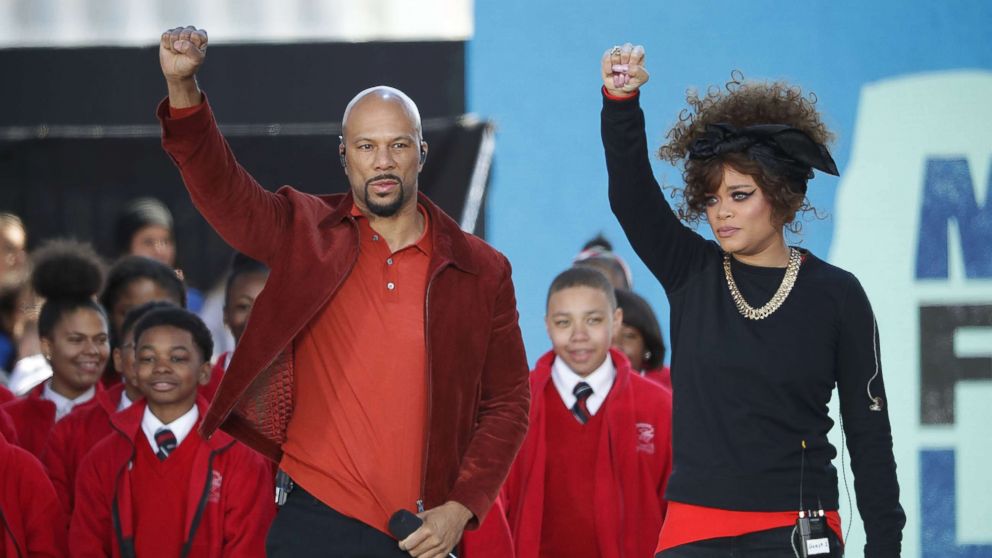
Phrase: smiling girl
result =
(74, 340)
(761, 331)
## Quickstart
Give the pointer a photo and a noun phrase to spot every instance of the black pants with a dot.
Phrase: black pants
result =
(773, 543)
(306, 528)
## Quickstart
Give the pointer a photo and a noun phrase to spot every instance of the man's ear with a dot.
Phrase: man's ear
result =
(344, 161)
(423, 153)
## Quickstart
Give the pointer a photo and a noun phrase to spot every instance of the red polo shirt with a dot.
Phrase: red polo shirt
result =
(357, 437)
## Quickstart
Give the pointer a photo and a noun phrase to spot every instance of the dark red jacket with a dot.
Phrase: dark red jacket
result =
(33, 523)
(477, 371)
(74, 436)
(629, 479)
(34, 418)
(229, 504)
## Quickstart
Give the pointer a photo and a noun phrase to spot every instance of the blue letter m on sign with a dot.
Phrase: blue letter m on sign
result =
(948, 194)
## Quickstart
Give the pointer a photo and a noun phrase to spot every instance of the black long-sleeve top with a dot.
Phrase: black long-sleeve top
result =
(747, 393)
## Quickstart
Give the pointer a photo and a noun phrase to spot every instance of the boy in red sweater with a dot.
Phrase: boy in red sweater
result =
(77, 434)
(590, 478)
(155, 487)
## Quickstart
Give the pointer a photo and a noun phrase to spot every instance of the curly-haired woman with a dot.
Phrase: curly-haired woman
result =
(761, 331)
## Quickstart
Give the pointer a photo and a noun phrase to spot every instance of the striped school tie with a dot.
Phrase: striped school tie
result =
(581, 392)
(166, 441)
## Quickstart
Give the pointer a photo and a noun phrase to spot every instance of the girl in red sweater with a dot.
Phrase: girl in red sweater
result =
(74, 340)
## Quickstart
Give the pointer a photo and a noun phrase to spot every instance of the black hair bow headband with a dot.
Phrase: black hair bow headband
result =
(781, 149)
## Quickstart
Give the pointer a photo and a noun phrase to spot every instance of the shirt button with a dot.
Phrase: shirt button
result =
(375, 237)
(390, 286)
(389, 261)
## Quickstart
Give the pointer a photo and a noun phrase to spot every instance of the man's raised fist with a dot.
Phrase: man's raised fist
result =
(181, 52)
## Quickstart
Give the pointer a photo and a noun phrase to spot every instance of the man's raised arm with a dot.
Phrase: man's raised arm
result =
(250, 218)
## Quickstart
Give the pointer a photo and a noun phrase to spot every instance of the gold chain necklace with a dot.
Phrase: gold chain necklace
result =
(791, 272)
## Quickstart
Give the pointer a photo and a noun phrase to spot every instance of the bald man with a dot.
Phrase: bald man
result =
(382, 367)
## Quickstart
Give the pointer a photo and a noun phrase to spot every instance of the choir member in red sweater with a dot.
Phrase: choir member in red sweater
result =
(33, 523)
(244, 283)
(131, 282)
(74, 334)
(75, 436)
(590, 477)
(157, 488)
(639, 337)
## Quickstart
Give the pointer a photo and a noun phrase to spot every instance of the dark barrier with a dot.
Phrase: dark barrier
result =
(75, 186)
(70, 157)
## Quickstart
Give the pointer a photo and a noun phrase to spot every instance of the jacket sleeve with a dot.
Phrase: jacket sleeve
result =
(248, 217)
(44, 521)
(503, 409)
(56, 460)
(91, 528)
(672, 251)
(248, 505)
(869, 435)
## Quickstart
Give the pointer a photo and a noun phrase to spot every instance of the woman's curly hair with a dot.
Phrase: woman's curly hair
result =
(741, 104)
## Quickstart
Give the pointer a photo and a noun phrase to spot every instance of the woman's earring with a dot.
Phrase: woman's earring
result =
(647, 355)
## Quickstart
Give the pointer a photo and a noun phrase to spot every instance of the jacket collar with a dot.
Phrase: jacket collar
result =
(110, 398)
(542, 370)
(37, 391)
(450, 244)
(128, 423)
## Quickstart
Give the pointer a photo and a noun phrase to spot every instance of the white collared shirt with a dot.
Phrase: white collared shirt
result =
(124, 403)
(600, 380)
(64, 405)
(181, 427)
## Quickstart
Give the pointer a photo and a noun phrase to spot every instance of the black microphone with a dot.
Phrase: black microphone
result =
(403, 523)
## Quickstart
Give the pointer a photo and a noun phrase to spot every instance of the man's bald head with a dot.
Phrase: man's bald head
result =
(384, 94)
(383, 151)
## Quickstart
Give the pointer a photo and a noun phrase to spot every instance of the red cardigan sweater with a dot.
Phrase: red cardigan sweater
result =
(477, 372)
(33, 522)
(229, 504)
(74, 436)
(630, 475)
(34, 418)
